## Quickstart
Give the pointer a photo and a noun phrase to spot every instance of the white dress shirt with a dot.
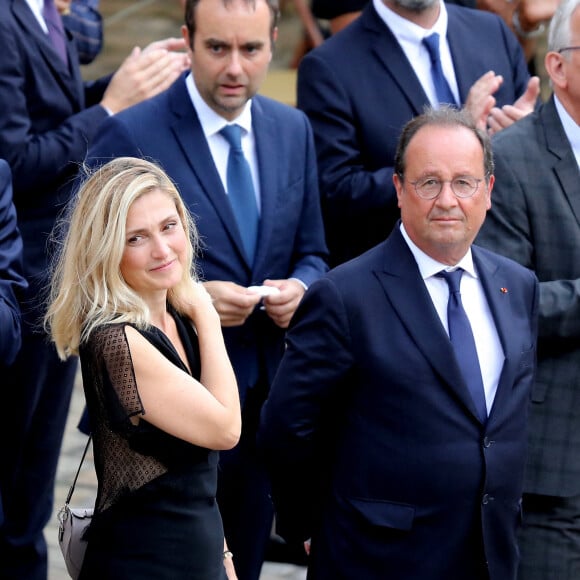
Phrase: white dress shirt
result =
(212, 124)
(487, 343)
(410, 37)
(36, 6)
(571, 128)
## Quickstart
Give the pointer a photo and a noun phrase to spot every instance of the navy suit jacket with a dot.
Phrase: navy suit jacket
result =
(46, 123)
(535, 220)
(359, 90)
(12, 281)
(372, 439)
(166, 129)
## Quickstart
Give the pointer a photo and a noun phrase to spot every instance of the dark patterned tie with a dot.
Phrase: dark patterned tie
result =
(463, 342)
(444, 94)
(55, 29)
(241, 190)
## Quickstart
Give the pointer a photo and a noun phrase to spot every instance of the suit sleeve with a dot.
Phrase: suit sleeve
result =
(297, 428)
(12, 282)
(509, 230)
(43, 134)
(345, 182)
(309, 247)
(113, 139)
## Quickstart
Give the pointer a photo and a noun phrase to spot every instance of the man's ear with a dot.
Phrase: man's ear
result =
(273, 39)
(185, 35)
(489, 190)
(398, 183)
(555, 66)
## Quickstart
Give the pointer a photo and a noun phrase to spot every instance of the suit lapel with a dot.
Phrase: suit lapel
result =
(496, 283)
(458, 38)
(388, 51)
(269, 167)
(564, 162)
(410, 298)
(62, 73)
(190, 136)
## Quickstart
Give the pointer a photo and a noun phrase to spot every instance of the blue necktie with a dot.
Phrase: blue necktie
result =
(463, 342)
(241, 190)
(444, 94)
(55, 29)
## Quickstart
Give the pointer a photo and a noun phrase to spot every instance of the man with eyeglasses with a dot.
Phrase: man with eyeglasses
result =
(395, 428)
(535, 220)
(359, 88)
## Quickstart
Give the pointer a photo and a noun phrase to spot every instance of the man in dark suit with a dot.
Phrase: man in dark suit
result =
(12, 281)
(48, 118)
(535, 220)
(84, 21)
(381, 450)
(360, 87)
(230, 47)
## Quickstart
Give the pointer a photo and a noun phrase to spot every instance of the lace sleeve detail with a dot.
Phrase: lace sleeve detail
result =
(122, 462)
(113, 348)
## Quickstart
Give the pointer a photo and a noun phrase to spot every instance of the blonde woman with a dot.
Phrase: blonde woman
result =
(160, 390)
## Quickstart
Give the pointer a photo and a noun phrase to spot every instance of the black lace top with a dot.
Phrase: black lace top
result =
(156, 516)
(128, 456)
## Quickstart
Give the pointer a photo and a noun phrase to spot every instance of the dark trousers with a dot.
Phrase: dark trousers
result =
(244, 494)
(31, 433)
(550, 538)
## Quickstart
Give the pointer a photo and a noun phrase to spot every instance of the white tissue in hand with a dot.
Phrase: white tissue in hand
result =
(264, 290)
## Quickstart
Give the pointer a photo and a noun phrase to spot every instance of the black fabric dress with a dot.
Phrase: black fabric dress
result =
(156, 516)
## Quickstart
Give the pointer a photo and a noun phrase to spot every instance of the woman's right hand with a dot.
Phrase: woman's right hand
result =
(202, 307)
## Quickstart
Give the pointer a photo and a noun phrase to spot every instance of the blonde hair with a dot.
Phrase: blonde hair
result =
(87, 288)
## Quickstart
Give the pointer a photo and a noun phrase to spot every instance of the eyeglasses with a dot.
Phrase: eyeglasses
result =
(430, 187)
(568, 48)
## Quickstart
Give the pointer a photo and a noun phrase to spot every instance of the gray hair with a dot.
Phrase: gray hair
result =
(560, 33)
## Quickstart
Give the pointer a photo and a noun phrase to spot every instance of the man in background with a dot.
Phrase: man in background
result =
(12, 281)
(535, 219)
(84, 21)
(360, 87)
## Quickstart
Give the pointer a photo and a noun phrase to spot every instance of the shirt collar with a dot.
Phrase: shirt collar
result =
(406, 30)
(570, 126)
(36, 4)
(429, 267)
(211, 122)
(36, 7)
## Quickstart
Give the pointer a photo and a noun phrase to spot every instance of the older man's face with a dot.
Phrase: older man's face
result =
(444, 227)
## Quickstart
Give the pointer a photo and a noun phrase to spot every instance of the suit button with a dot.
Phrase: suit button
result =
(487, 442)
(486, 499)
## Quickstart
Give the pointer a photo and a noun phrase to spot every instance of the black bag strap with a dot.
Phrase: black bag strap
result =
(72, 487)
